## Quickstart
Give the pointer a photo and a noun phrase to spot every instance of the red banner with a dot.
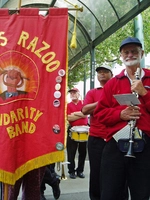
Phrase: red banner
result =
(33, 79)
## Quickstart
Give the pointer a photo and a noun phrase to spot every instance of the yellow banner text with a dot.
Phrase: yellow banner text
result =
(20, 121)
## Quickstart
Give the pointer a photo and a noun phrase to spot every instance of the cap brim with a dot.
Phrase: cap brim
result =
(73, 90)
(98, 68)
(138, 44)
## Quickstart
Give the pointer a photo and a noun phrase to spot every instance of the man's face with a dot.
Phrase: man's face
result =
(74, 95)
(104, 75)
(13, 78)
(131, 55)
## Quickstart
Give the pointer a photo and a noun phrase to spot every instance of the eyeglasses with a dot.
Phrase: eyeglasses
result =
(133, 51)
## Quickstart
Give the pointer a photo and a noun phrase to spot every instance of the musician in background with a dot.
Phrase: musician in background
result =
(97, 132)
(76, 118)
(116, 168)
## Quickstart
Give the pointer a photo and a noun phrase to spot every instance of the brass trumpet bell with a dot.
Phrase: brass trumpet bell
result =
(63, 176)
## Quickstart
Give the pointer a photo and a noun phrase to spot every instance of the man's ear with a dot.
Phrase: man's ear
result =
(142, 53)
(121, 57)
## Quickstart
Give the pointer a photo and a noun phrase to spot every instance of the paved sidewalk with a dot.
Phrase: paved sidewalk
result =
(71, 189)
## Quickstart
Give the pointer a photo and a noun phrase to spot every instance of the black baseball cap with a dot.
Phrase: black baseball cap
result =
(130, 40)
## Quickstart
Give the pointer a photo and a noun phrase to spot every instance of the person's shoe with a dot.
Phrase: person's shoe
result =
(42, 197)
(72, 175)
(81, 175)
(56, 189)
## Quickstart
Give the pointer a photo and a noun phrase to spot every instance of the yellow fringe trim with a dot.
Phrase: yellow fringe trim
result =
(11, 178)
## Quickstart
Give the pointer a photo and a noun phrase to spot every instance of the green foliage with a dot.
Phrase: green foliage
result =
(146, 29)
(79, 71)
(108, 51)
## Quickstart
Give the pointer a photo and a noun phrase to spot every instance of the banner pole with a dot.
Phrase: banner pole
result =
(5, 191)
(19, 5)
(46, 9)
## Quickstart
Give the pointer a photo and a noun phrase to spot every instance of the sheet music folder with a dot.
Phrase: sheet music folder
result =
(127, 99)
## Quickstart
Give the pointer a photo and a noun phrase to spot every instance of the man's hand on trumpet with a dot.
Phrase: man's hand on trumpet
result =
(130, 112)
(137, 86)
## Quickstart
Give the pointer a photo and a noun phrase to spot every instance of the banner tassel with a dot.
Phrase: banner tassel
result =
(73, 44)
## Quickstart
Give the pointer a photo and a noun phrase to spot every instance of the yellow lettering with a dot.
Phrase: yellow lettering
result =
(13, 116)
(38, 51)
(49, 67)
(23, 37)
(32, 128)
(20, 113)
(51, 56)
(47, 58)
(6, 119)
(1, 119)
(32, 112)
(38, 114)
(25, 127)
(26, 112)
(11, 132)
(33, 44)
(19, 116)
(17, 130)
(4, 39)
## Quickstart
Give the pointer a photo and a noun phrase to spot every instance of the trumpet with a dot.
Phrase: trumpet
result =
(130, 152)
(132, 123)
(63, 176)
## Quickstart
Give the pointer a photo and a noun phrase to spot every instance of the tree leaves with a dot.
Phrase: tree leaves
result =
(108, 51)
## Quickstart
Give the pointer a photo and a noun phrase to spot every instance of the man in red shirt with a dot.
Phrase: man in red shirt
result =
(97, 132)
(116, 166)
(76, 119)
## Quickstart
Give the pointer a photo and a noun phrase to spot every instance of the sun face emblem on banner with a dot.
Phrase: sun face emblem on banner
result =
(19, 77)
(33, 82)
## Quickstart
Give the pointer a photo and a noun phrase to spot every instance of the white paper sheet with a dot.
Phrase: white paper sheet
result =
(127, 99)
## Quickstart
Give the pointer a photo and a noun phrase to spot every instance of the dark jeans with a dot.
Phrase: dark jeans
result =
(95, 148)
(72, 147)
(116, 169)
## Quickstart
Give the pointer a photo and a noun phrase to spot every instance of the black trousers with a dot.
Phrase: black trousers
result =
(50, 177)
(72, 147)
(95, 148)
(117, 169)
